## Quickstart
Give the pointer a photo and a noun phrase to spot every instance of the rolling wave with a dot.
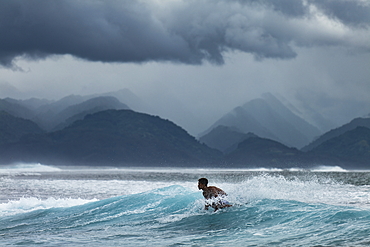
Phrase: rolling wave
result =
(281, 208)
(176, 214)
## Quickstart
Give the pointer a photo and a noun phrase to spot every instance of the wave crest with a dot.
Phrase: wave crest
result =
(25, 205)
(28, 167)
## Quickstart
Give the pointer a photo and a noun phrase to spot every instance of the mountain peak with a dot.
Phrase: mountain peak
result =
(267, 117)
(262, 152)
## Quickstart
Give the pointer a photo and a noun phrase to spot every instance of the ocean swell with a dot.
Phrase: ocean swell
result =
(175, 215)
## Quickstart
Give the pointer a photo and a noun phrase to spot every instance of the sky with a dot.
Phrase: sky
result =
(192, 60)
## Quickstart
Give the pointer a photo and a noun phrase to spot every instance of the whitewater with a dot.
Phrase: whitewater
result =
(45, 205)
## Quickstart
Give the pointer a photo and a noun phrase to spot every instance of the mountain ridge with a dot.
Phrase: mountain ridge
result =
(224, 138)
(268, 118)
(351, 146)
(338, 131)
(113, 137)
(278, 121)
(261, 152)
(128, 138)
(13, 128)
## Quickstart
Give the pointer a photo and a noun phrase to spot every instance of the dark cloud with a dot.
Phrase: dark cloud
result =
(291, 8)
(355, 13)
(178, 31)
(91, 30)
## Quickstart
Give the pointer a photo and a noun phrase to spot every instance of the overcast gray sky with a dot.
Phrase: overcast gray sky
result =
(202, 57)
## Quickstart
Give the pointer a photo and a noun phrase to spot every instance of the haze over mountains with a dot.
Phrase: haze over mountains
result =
(57, 114)
(107, 129)
(267, 117)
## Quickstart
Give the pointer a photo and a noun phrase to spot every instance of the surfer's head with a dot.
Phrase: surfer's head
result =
(202, 182)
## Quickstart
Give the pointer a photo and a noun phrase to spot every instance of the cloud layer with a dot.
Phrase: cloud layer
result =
(177, 30)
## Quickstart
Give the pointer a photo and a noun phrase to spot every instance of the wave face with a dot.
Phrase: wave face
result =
(164, 208)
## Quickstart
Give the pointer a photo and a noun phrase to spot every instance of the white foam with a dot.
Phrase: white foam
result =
(170, 169)
(31, 168)
(312, 190)
(24, 205)
(328, 169)
(87, 189)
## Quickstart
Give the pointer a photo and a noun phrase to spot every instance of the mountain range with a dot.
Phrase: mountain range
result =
(111, 137)
(102, 130)
(364, 122)
(267, 117)
(349, 150)
(52, 115)
(225, 138)
(13, 128)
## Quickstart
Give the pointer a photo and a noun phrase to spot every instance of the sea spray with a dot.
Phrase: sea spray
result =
(25, 205)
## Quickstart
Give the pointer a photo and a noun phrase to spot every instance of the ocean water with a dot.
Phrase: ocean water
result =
(49, 206)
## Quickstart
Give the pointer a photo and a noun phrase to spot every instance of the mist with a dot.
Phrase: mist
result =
(191, 61)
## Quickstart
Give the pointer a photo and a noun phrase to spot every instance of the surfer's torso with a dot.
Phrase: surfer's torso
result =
(213, 192)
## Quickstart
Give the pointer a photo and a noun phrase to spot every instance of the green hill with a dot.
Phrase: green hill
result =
(268, 118)
(365, 122)
(261, 152)
(13, 128)
(128, 138)
(114, 137)
(352, 147)
(224, 138)
(79, 111)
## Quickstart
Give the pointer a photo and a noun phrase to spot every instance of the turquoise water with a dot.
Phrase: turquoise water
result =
(47, 206)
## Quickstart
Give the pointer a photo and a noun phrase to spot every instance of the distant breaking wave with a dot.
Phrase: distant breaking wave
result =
(329, 169)
(37, 167)
(28, 167)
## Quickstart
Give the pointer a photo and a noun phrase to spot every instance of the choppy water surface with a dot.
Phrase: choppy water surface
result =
(50, 206)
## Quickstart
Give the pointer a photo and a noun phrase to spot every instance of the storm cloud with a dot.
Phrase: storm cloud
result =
(188, 32)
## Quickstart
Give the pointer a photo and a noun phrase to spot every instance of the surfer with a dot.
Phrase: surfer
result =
(215, 197)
